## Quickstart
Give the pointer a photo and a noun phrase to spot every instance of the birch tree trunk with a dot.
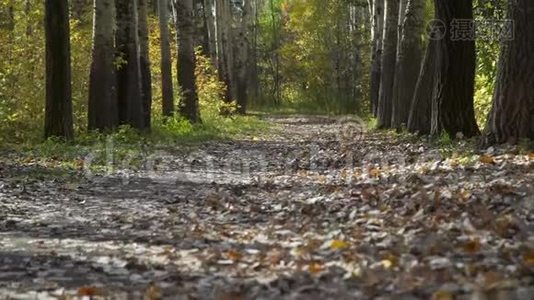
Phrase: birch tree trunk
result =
(389, 55)
(183, 12)
(209, 6)
(241, 59)
(410, 52)
(225, 74)
(376, 60)
(167, 90)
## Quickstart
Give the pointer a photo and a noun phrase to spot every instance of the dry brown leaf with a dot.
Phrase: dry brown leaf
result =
(153, 292)
(528, 258)
(315, 267)
(230, 296)
(274, 257)
(442, 295)
(234, 255)
(89, 291)
(486, 159)
(374, 172)
(472, 246)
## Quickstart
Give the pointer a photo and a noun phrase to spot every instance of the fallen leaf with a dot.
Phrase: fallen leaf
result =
(486, 159)
(442, 295)
(234, 255)
(472, 246)
(528, 258)
(338, 245)
(386, 263)
(374, 172)
(89, 291)
(315, 267)
(153, 292)
(230, 296)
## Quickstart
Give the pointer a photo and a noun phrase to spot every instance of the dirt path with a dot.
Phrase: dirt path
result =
(316, 210)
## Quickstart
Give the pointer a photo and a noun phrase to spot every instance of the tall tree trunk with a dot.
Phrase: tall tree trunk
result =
(376, 65)
(222, 21)
(421, 104)
(102, 108)
(167, 90)
(403, 4)
(389, 56)
(209, 6)
(512, 115)
(252, 64)
(144, 60)
(201, 26)
(453, 109)
(154, 6)
(183, 12)
(277, 81)
(228, 45)
(58, 108)
(410, 52)
(129, 90)
(241, 59)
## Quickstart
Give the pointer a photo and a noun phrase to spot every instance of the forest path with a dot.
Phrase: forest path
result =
(315, 209)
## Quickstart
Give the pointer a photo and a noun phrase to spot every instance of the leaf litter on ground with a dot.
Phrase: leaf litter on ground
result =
(306, 211)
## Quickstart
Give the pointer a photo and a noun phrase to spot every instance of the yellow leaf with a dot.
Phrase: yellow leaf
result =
(338, 245)
(374, 172)
(442, 295)
(315, 267)
(486, 159)
(153, 292)
(386, 263)
(531, 156)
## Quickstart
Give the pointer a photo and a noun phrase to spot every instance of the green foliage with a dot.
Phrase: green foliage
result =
(22, 93)
(322, 51)
(211, 90)
(487, 57)
(445, 138)
(21, 72)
